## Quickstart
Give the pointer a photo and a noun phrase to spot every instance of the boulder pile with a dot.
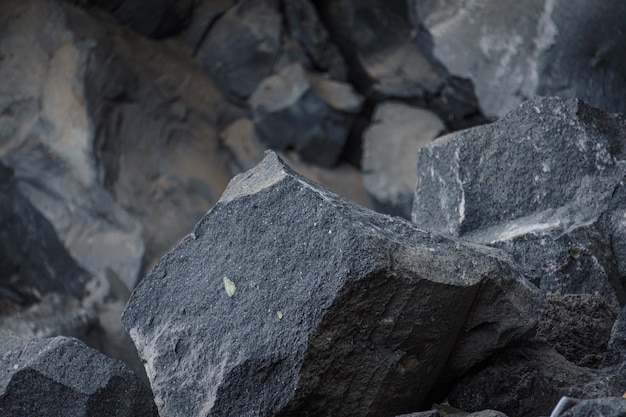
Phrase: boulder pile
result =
(186, 195)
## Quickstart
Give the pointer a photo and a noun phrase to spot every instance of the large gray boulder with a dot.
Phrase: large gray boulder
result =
(287, 299)
(62, 377)
(545, 183)
(512, 51)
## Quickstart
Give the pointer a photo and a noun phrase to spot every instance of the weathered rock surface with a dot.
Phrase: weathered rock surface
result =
(545, 183)
(63, 377)
(294, 109)
(390, 147)
(529, 381)
(578, 326)
(287, 299)
(512, 51)
(605, 407)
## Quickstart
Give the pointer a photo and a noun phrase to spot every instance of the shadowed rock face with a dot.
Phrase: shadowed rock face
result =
(71, 380)
(512, 51)
(288, 300)
(545, 183)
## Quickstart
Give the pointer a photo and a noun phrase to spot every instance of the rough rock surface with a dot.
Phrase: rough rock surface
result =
(545, 183)
(390, 147)
(605, 407)
(578, 326)
(287, 299)
(304, 111)
(63, 377)
(512, 51)
(529, 381)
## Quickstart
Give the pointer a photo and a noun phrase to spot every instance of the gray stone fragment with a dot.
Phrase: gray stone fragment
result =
(513, 51)
(33, 262)
(306, 29)
(543, 183)
(287, 299)
(605, 407)
(390, 147)
(242, 47)
(63, 377)
(306, 112)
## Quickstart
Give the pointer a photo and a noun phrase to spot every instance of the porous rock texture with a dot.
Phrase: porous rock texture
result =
(544, 183)
(288, 300)
(62, 377)
(512, 51)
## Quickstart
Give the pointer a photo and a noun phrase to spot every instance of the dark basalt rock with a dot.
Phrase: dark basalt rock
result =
(545, 183)
(578, 326)
(242, 47)
(288, 300)
(529, 381)
(312, 113)
(63, 377)
(512, 51)
(33, 262)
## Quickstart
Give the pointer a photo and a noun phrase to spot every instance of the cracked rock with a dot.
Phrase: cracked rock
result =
(544, 183)
(288, 299)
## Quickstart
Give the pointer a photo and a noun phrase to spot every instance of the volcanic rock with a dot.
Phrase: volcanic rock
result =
(33, 262)
(605, 407)
(578, 326)
(528, 381)
(512, 51)
(390, 147)
(242, 47)
(286, 298)
(313, 114)
(62, 377)
(545, 183)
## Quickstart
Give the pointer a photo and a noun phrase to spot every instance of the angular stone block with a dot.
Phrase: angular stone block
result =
(61, 376)
(545, 183)
(289, 300)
